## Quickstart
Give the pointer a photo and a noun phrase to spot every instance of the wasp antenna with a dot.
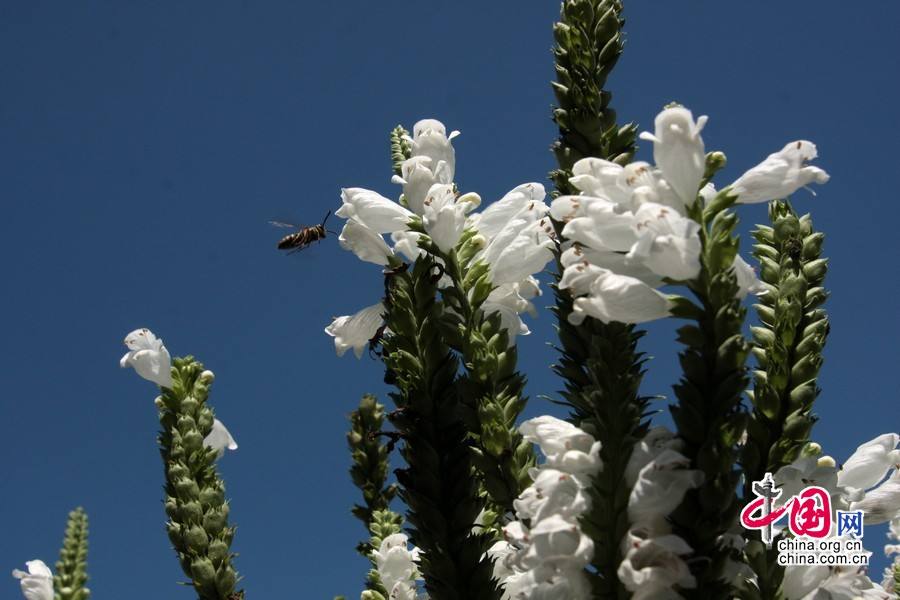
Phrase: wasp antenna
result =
(331, 232)
(328, 214)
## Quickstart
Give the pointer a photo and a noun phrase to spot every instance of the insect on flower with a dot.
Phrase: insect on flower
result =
(303, 237)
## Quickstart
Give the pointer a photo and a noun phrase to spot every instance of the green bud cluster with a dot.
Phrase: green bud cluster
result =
(71, 568)
(400, 150)
(369, 471)
(708, 416)
(599, 362)
(195, 495)
(437, 484)
(788, 347)
(589, 41)
(491, 388)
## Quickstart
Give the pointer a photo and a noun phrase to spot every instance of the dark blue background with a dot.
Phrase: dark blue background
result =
(143, 147)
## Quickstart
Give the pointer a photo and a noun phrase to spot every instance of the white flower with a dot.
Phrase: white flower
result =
(524, 201)
(747, 281)
(806, 471)
(801, 580)
(396, 564)
(430, 139)
(445, 215)
(219, 438)
(667, 243)
(679, 151)
(373, 210)
(519, 239)
(601, 224)
(364, 243)
(653, 566)
(870, 462)
(614, 297)
(660, 487)
(566, 447)
(651, 445)
(552, 493)
(780, 174)
(883, 503)
(558, 543)
(355, 331)
(37, 583)
(148, 356)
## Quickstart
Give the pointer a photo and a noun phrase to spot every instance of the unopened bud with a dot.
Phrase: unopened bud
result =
(826, 462)
(207, 377)
(196, 539)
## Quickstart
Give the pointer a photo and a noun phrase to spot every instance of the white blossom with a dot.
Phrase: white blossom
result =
(654, 565)
(780, 174)
(614, 297)
(219, 438)
(651, 445)
(366, 244)
(552, 493)
(559, 543)
(661, 486)
(747, 281)
(37, 583)
(396, 566)
(678, 150)
(373, 210)
(881, 504)
(355, 331)
(800, 580)
(566, 447)
(870, 462)
(149, 357)
(667, 243)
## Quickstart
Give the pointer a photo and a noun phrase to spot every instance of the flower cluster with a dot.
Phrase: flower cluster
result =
(855, 486)
(513, 237)
(397, 571)
(629, 231)
(658, 476)
(546, 558)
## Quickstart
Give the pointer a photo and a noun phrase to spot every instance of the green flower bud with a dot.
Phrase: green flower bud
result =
(187, 489)
(191, 512)
(226, 578)
(203, 572)
(217, 551)
(193, 441)
(196, 538)
(212, 496)
(189, 405)
(215, 521)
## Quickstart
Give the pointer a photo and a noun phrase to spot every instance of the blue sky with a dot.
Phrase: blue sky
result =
(144, 147)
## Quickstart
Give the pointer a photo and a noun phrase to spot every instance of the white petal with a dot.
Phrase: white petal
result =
(373, 210)
(355, 331)
(219, 438)
(620, 298)
(364, 243)
(149, 357)
(780, 174)
(679, 151)
(870, 462)
(527, 198)
(747, 281)
(883, 503)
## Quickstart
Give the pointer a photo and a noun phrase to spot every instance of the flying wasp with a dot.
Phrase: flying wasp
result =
(303, 237)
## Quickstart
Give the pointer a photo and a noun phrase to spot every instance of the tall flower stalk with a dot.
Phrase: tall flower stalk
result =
(599, 362)
(708, 414)
(788, 347)
(437, 483)
(195, 494)
(71, 568)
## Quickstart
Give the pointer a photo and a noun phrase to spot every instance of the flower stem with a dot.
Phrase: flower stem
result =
(437, 484)
(788, 347)
(599, 362)
(491, 389)
(195, 494)
(71, 569)
(708, 414)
